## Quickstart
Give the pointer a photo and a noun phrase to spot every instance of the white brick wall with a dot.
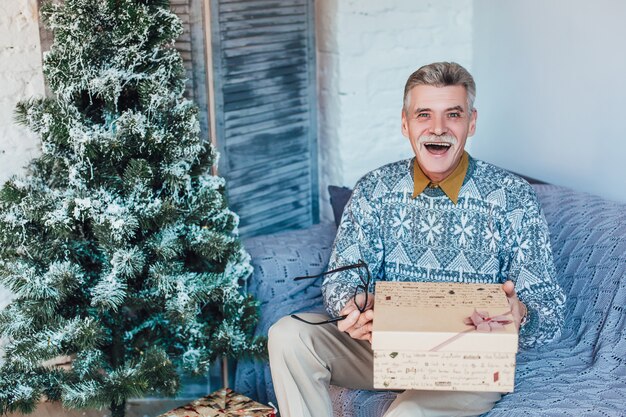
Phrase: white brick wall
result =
(366, 51)
(21, 78)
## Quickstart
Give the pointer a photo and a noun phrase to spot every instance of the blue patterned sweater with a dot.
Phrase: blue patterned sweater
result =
(494, 233)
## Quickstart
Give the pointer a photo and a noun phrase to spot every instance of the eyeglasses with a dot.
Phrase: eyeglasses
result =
(364, 286)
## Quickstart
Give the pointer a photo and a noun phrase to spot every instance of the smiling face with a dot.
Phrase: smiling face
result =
(437, 122)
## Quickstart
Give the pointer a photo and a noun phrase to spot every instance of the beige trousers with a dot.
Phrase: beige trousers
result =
(305, 359)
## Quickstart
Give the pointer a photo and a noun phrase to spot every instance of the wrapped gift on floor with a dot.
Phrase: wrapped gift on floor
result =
(222, 403)
(443, 336)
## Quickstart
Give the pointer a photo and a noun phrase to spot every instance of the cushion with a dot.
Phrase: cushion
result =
(339, 197)
(277, 259)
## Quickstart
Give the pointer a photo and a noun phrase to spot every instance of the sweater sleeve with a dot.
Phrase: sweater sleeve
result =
(533, 272)
(358, 238)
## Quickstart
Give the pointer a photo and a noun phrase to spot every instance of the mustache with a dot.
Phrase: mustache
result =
(449, 139)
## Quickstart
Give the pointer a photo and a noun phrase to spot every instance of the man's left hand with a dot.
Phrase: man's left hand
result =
(518, 309)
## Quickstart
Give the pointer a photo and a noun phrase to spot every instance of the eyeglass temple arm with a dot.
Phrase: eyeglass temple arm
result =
(343, 268)
(331, 320)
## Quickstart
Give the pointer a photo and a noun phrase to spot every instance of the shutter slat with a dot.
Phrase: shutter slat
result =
(267, 21)
(262, 13)
(251, 68)
(266, 162)
(251, 113)
(262, 40)
(269, 125)
(280, 48)
(252, 3)
(295, 89)
(263, 202)
(242, 84)
(286, 168)
(276, 29)
(258, 152)
(278, 73)
(184, 47)
(263, 100)
(226, 7)
(262, 121)
(235, 62)
(280, 135)
(265, 188)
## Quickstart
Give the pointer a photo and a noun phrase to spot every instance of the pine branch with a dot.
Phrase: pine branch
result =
(29, 351)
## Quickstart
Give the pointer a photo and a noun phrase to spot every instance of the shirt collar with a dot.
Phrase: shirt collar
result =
(451, 185)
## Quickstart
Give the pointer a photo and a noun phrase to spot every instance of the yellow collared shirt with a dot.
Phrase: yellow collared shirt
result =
(451, 185)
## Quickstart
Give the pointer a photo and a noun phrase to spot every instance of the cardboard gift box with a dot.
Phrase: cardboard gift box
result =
(223, 403)
(443, 336)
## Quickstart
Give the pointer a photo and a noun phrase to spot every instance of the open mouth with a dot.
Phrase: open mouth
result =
(437, 148)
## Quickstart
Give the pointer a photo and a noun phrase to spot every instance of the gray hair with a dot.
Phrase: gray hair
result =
(442, 74)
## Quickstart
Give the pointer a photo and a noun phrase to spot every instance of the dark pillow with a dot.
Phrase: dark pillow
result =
(339, 197)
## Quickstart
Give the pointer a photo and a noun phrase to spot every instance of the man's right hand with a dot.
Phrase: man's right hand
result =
(358, 325)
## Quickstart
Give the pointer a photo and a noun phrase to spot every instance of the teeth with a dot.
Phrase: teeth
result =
(438, 144)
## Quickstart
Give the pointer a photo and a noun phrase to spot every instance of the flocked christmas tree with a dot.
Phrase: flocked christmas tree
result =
(118, 244)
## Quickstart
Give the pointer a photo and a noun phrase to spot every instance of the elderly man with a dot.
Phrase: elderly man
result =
(440, 216)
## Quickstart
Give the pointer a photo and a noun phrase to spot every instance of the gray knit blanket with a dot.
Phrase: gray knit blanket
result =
(582, 374)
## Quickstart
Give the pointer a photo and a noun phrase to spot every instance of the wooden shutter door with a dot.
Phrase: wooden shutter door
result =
(263, 55)
(192, 47)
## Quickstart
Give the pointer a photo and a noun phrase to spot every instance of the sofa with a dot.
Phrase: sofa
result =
(581, 374)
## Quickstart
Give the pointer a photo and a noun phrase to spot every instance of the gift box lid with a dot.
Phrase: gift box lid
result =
(225, 403)
(437, 317)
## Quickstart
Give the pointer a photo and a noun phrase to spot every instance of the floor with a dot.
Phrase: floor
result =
(135, 408)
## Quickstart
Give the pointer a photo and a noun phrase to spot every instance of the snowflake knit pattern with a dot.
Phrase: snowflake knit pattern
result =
(495, 232)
